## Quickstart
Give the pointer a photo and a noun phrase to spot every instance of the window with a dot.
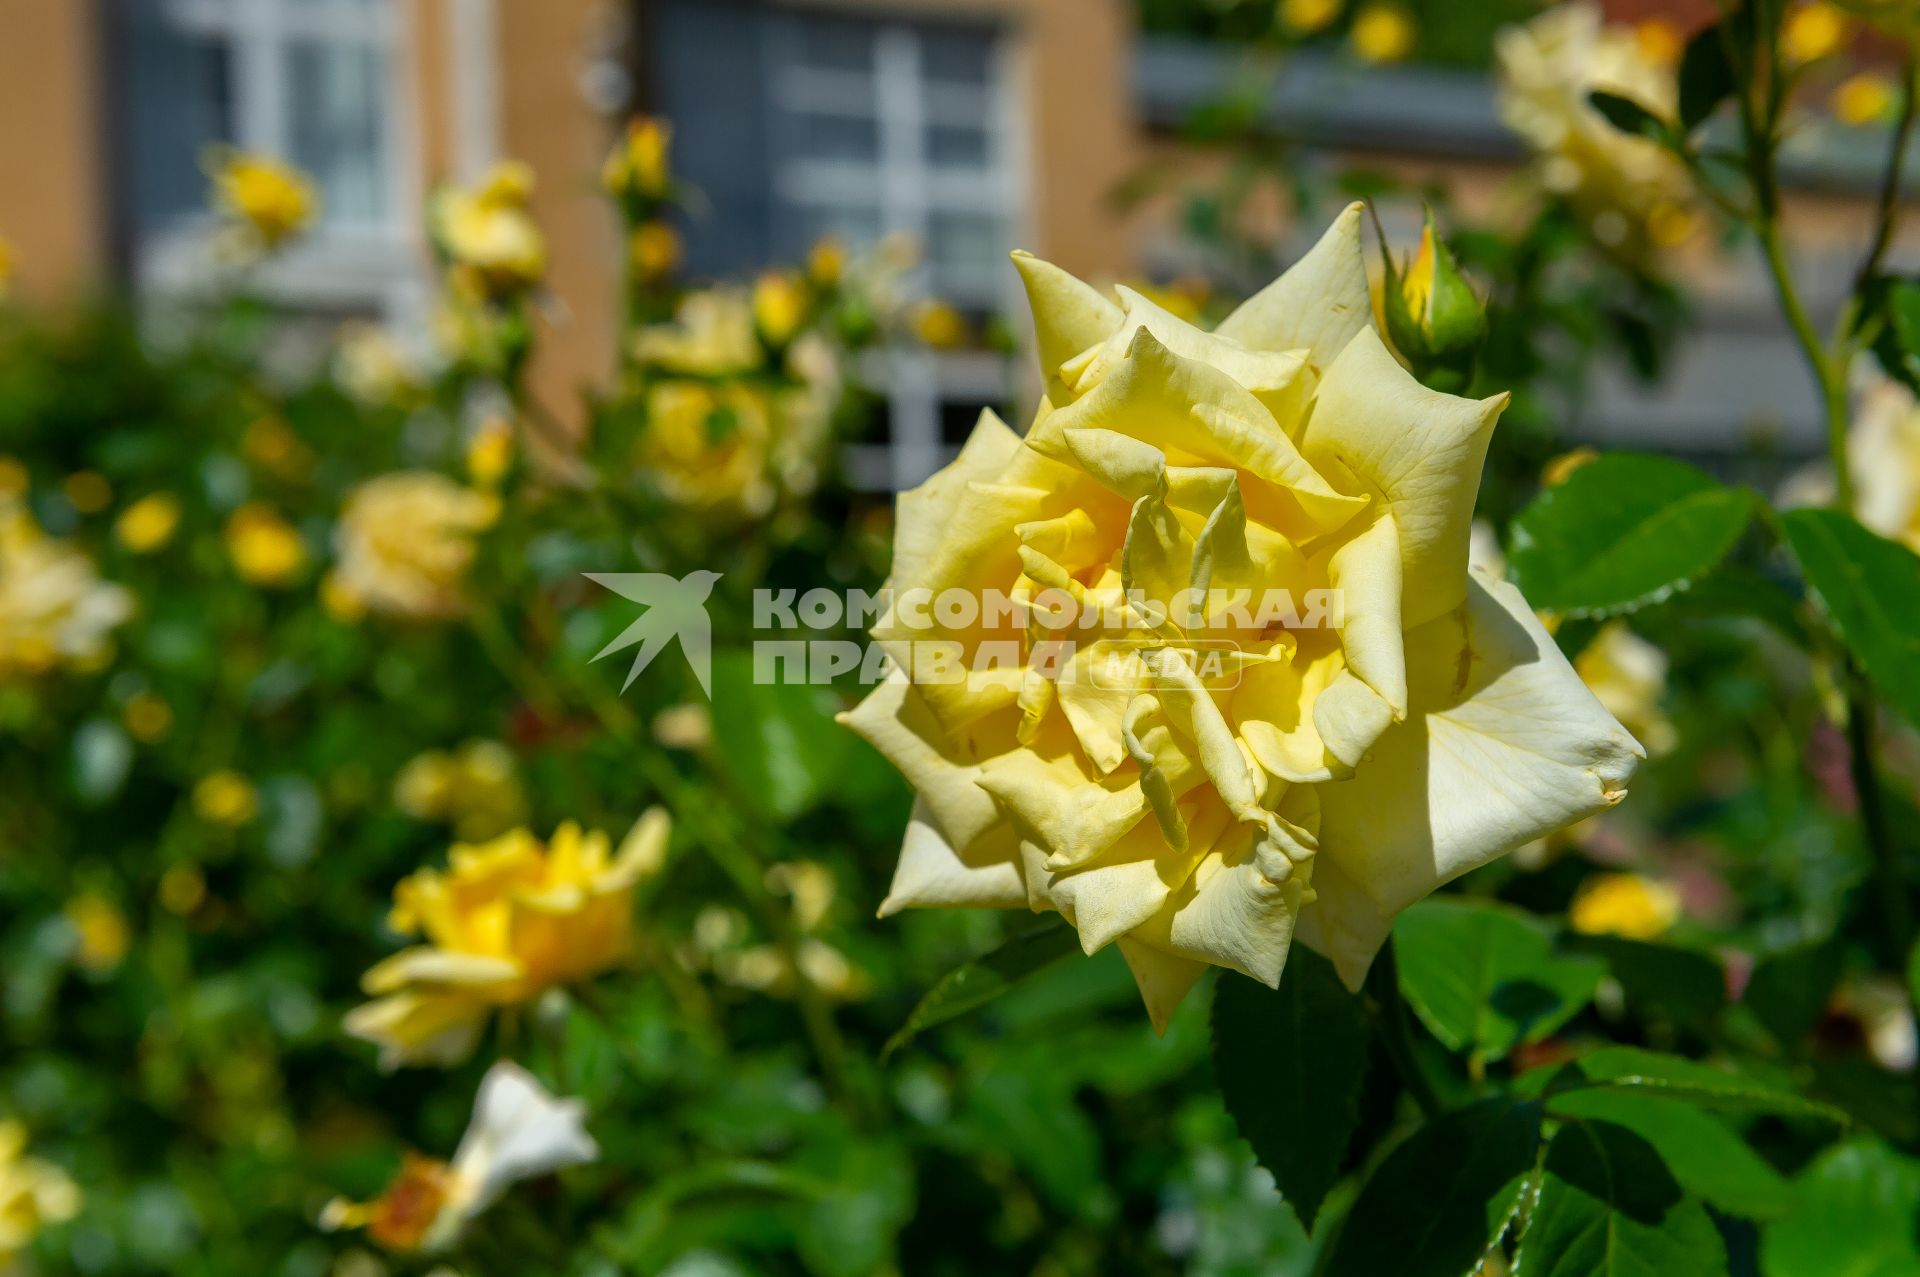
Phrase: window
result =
(314, 81)
(798, 124)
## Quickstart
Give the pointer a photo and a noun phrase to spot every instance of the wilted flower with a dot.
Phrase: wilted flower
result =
(636, 169)
(489, 234)
(226, 798)
(1633, 193)
(54, 608)
(1382, 33)
(1345, 765)
(266, 550)
(371, 365)
(1628, 675)
(33, 1194)
(518, 1131)
(100, 933)
(1624, 904)
(473, 788)
(405, 541)
(148, 524)
(508, 920)
(265, 201)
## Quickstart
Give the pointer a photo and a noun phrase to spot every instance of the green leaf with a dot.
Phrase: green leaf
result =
(1890, 306)
(1621, 532)
(1704, 1154)
(1853, 1216)
(1685, 987)
(1442, 1197)
(1788, 990)
(1869, 588)
(1627, 1068)
(976, 983)
(1485, 978)
(779, 740)
(1609, 1207)
(1706, 77)
(1628, 116)
(1291, 1063)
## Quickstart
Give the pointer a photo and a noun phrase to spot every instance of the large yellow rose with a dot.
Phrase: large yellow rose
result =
(1632, 191)
(1338, 773)
(507, 921)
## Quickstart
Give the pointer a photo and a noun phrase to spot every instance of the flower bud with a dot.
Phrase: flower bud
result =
(1432, 315)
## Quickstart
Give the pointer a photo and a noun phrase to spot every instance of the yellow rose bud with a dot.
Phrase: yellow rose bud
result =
(1382, 33)
(506, 921)
(100, 934)
(1624, 904)
(266, 550)
(1304, 17)
(827, 263)
(1813, 31)
(780, 303)
(1203, 763)
(147, 718)
(939, 325)
(1864, 98)
(226, 798)
(655, 250)
(272, 201)
(149, 523)
(637, 167)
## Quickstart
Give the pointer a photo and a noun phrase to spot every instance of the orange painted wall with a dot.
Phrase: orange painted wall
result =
(53, 195)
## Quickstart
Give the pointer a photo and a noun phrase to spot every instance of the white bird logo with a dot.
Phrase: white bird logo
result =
(674, 606)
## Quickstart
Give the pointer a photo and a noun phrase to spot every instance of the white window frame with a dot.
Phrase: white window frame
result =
(377, 265)
(907, 188)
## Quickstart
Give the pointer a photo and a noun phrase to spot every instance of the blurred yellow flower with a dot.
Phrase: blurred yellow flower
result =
(712, 335)
(810, 886)
(654, 250)
(687, 726)
(87, 491)
(266, 550)
(490, 452)
(764, 969)
(780, 302)
(182, 889)
(827, 263)
(226, 798)
(489, 233)
(371, 366)
(1812, 31)
(149, 523)
(270, 200)
(6, 266)
(100, 934)
(508, 920)
(54, 608)
(1382, 33)
(147, 718)
(707, 445)
(473, 788)
(1660, 41)
(339, 600)
(1867, 97)
(637, 166)
(1884, 455)
(1628, 675)
(34, 1194)
(14, 480)
(939, 324)
(405, 542)
(518, 1131)
(1626, 186)
(271, 444)
(1304, 17)
(1624, 904)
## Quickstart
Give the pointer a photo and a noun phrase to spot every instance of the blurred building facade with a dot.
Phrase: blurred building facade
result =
(970, 125)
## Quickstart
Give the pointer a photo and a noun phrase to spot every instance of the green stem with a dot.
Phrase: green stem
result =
(1890, 182)
(1896, 911)
(1396, 1030)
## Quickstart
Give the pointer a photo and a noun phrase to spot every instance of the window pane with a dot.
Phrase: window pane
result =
(957, 146)
(336, 97)
(179, 101)
(836, 44)
(956, 56)
(836, 137)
